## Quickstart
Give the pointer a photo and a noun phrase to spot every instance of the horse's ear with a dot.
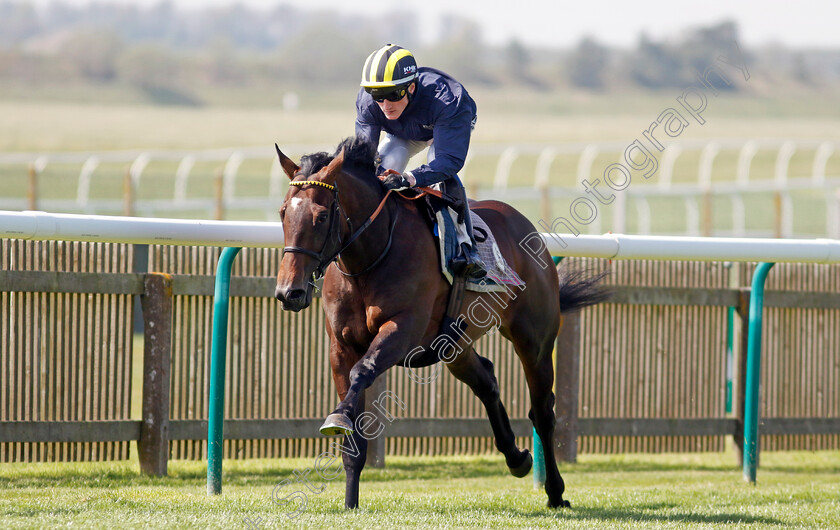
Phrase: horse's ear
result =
(289, 167)
(332, 171)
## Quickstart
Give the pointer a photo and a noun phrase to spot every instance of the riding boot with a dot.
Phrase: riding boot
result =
(466, 259)
(476, 268)
(468, 263)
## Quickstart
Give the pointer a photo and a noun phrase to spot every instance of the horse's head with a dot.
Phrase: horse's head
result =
(311, 228)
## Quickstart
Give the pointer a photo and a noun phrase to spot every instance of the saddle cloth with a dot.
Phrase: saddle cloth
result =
(499, 274)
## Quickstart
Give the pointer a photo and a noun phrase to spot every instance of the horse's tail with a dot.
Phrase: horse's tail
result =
(579, 288)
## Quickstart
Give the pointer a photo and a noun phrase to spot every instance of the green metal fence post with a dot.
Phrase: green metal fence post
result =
(753, 372)
(730, 358)
(218, 352)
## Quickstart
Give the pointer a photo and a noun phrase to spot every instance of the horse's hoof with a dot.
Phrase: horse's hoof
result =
(522, 469)
(562, 504)
(337, 425)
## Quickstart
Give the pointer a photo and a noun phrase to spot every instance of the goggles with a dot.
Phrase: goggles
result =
(391, 94)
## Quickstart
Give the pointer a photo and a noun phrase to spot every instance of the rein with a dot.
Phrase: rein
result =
(323, 262)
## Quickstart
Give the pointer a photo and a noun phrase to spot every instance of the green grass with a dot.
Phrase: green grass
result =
(795, 489)
(505, 117)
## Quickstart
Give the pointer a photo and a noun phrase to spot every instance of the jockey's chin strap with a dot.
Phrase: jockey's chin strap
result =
(324, 261)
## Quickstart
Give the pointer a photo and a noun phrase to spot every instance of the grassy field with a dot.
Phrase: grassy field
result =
(795, 489)
(504, 118)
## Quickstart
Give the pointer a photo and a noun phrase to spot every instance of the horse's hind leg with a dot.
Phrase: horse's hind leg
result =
(477, 373)
(539, 372)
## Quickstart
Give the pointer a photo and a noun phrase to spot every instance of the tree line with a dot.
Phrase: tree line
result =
(165, 51)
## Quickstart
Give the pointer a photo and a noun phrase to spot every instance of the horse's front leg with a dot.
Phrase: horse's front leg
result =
(353, 455)
(354, 448)
(352, 375)
(390, 345)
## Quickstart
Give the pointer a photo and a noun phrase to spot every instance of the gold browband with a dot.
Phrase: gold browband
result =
(313, 182)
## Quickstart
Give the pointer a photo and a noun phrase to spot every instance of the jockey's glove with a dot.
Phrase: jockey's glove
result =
(394, 180)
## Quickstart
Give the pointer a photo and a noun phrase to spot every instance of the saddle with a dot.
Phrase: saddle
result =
(434, 203)
(499, 276)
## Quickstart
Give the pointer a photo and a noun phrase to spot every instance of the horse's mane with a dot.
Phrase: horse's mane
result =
(359, 158)
(314, 162)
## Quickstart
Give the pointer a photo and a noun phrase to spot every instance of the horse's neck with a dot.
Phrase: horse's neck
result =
(357, 196)
(362, 199)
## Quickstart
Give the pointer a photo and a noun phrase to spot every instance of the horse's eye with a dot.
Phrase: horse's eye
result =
(322, 217)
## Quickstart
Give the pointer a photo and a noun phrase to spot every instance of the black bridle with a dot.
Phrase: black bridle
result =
(323, 257)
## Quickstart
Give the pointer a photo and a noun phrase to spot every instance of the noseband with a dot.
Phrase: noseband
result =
(325, 259)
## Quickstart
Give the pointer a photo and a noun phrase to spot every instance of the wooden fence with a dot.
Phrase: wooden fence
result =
(66, 343)
(802, 341)
(645, 372)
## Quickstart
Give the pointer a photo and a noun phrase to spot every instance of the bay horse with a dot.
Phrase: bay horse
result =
(385, 295)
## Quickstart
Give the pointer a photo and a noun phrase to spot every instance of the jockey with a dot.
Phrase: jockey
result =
(419, 108)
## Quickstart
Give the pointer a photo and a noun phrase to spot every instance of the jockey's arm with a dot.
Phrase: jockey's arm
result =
(453, 127)
(369, 131)
(366, 126)
(452, 141)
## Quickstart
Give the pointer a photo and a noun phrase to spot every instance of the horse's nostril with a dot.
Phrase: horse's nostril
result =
(294, 295)
(290, 295)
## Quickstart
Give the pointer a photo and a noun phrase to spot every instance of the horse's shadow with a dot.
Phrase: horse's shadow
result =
(600, 517)
(604, 516)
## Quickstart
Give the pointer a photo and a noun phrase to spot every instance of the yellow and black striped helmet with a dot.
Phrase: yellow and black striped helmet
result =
(389, 66)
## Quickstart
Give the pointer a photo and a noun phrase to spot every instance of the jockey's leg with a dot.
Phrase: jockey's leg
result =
(468, 249)
(394, 152)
